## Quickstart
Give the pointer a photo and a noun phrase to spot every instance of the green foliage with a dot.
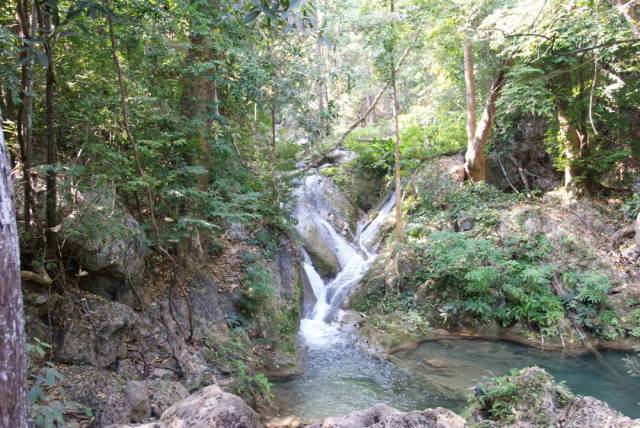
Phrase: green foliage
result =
(588, 295)
(499, 398)
(256, 291)
(474, 279)
(249, 386)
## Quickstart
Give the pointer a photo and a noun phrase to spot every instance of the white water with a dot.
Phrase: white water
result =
(355, 256)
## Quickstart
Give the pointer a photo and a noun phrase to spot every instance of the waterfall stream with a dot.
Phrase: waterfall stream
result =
(338, 376)
(354, 253)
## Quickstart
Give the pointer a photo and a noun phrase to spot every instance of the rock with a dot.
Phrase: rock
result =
(383, 416)
(94, 331)
(338, 156)
(436, 363)
(210, 407)
(138, 398)
(351, 317)
(113, 251)
(237, 232)
(209, 320)
(101, 390)
(163, 394)
(590, 412)
(309, 299)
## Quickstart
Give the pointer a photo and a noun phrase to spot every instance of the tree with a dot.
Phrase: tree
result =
(475, 164)
(13, 361)
(396, 134)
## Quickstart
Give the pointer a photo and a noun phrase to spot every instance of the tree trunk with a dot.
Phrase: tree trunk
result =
(27, 28)
(572, 145)
(396, 132)
(13, 361)
(200, 92)
(51, 194)
(320, 71)
(475, 165)
(470, 92)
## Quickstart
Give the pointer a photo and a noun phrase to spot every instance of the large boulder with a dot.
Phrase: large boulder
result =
(164, 344)
(209, 320)
(383, 416)
(210, 407)
(93, 331)
(101, 390)
(150, 398)
(107, 243)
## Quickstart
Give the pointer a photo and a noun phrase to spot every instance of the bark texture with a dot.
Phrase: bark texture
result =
(13, 362)
(572, 148)
(475, 164)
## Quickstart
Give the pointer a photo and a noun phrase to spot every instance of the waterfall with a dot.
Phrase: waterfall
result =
(355, 255)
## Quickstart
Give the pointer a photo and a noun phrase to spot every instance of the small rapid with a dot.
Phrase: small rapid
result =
(354, 252)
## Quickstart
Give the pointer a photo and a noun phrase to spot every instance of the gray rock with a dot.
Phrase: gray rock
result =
(209, 319)
(539, 401)
(237, 232)
(138, 398)
(163, 394)
(210, 407)
(383, 416)
(101, 390)
(107, 242)
(94, 331)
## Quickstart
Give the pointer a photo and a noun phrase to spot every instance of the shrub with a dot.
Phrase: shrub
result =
(256, 291)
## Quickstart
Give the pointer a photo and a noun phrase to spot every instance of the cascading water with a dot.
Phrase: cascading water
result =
(355, 255)
(338, 376)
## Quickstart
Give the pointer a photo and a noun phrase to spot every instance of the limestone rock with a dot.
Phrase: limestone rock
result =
(163, 394)
(94, 332)
(210, 407)
(101, 390)
(383, 416)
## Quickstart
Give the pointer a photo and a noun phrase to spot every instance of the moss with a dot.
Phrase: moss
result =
(522, 394)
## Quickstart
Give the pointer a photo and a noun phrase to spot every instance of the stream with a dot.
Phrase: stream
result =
(339, 376)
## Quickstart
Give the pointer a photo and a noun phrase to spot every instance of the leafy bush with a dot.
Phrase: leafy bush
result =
(256, 290)
(251, 387)
(476, 280)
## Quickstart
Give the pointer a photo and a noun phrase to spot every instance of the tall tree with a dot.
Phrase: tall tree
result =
(200, 92)
(46, 13)
(13, 361)
(478, 135)
(396, 134)
(26, 31)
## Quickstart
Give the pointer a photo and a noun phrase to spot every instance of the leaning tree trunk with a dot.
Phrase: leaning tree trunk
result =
(470, 92)
(13, 362)
(475, 165)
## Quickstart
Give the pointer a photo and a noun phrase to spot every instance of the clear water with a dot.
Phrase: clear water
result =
(340, 377)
